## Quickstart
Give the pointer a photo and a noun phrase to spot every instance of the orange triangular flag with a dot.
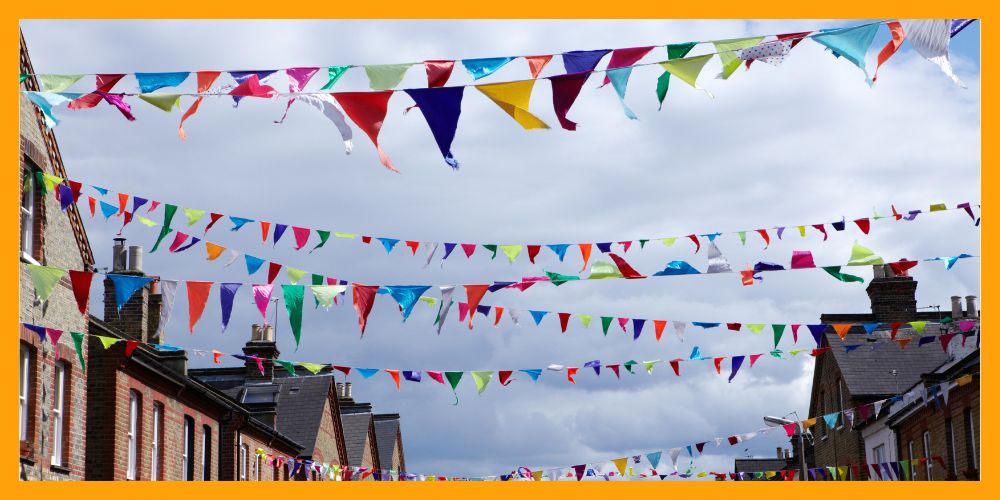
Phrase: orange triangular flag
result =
(395, 377)
(585, 253)
(659, 324)
(537, 63)
(474, 294)
(842, 329)
(903, 342)
(213, 250)
(197, 297)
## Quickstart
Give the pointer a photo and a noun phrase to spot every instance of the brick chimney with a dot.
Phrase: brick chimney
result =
(893, 298)
(262, 345)
(133, 319)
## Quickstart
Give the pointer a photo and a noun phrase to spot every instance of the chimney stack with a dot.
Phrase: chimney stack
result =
(970, 306)
(956, 307)
(118, 257)
(133, 318)
(893, 298)
(262, 345)
(781, 453)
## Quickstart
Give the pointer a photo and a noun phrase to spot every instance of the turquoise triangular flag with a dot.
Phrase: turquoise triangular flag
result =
(126, 286)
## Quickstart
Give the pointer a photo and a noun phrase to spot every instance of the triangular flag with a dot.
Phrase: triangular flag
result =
(441, 108)
(513, 98)
(367, 110)
(363, 300)
(293, 295)
(197, 298)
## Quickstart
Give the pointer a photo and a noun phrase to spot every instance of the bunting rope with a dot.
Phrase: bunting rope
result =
(441, 105)
(481, 378)
(71, 189)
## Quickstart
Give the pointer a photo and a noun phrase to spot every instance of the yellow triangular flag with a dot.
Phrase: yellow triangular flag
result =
(727, 53)
(147, 222)
(861, 256)
(107, 341)
(294, 275)
(511, 251)
(193, 214)
(620, 463)
(166, 102)
(687, 69)
(513, 98)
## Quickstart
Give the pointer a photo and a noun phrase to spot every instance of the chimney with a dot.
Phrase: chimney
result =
(155, 304)
(262, 345)
(893, 298)
(956, 307)
(134, 258)
(347, 390)
(133, 318)
(340, 389)
(781, 453)
(970, 306)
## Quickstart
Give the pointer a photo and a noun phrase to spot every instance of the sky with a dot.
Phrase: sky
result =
(802, 143)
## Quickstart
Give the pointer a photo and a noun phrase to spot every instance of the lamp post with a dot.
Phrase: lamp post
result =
(779, 421)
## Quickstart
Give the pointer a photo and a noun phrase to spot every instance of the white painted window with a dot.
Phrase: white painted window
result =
(206, 453)
(187, 453)
(28, 216)
(58, 400)
(912, 455)
(133, 434)
(927, 455)
(970, 437)
(154, 458)
(24, 391)
(879, 453)
(244, 460)
(953, 457)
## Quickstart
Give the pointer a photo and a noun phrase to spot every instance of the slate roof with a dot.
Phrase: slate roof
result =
(867, 369)
(760, 464)
(356, 426)
(386, 431)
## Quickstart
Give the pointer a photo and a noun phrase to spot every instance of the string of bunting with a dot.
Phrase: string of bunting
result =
(624, 467)
(68, 191)
(441, 105)
(481, 378)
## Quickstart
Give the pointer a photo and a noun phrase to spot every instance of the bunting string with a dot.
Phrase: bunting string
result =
(304, 237)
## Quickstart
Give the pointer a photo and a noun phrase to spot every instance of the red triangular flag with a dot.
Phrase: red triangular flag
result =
(272, 271)
(81, 288)
(565, 90)
(625, 57)
(122, 201)
(537, 63)
(474, 293)
(896, 29)
(505, 376)
(197, 298)
(364, 299)
(367, 110)
(413, 245)
(533, 251)
(863, 224)
(676, 365)
(205, 81)
(563, 321)
(468, 248)
(624, 267)
(265, 228)
(697, 244)
(718, 364)
(301, 236)
(614, 368)
(438, 72)
(251, 87)
(130, 346)
(767, 239)
(658, 325)
(214, 218)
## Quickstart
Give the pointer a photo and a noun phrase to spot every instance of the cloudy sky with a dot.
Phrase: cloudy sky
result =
(802, 143)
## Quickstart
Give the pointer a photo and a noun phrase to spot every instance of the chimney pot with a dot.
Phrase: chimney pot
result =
(135, 259)
(347, 389)
(268, 333)
(970, 306)
(879, 271)
(255, 333)
(781, 453)
(118, 257)
(956, 307)
(340, 389)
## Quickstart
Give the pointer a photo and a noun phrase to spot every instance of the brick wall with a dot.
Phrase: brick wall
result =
(327, 449)
(934, 420)
(841, 446)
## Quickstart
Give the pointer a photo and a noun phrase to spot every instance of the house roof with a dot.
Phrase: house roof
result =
(868, 370)
(386, 433)
(356, 427)
(760, 464)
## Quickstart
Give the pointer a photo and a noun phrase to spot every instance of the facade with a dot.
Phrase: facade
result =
(149, 420)
(389, 438)
(359, 434)
(879, 370)
(52, 391)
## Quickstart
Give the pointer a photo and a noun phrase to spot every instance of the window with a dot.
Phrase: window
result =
(24, 391)
(912, 455)
(206, 453)
(970, 439)
(134, 407)
(154, 455)
(244, 459)
(822, 409)
(258, 463)
(927, 455)
(58, 413)
(28, 221)
(949, 427)
(878, 453)
(187, 453)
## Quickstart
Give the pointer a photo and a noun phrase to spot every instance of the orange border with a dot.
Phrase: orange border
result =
(451, 9)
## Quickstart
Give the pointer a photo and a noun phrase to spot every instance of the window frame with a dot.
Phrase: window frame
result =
(187, 449)
(25, 372)
(156, 449)
(952, 451)
(29, 215)
(244, 457)
(911, 447)
(134, 429)
(60, 384)
(206, 453)
(258, 465)
(970, 437)
(928, 464)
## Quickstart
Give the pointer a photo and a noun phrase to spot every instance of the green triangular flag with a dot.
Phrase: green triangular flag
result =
(482, 379)
(293, 304)
(107, 341)
(56, 83)
(492, 248)
(846, 278)
(755, 327)
(511, 251)
(727, 53)
(166, 102)
(289, 366)
(323, 236)
(605, 323)
(313, 368)
(584, 319)
(558, 279)
(44, 280)
(642, 244)
(743, 237)
(168, 216)
(628, 365)
(649, 366)
(779, 330)
(600, 270)
(453, 378)
(193, 215)
(861, 256)
(78, 344)
(23, 78)
(674, 51)
(385, 76)
(335, 72)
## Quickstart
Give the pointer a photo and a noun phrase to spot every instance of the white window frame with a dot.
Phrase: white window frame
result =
(206, 452)
(954, 451)
(913, 471)
(28, 218)
(133, 429)
(186, 458)
(24, 391)
(244, 458)
(258, 464)
(927, 455)
(58, 412)
(878, 453)
(971, 437)
(154, 460)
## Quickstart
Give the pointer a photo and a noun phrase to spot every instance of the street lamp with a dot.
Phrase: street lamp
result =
(780, 421)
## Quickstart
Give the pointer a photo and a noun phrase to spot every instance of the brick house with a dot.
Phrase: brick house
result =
(874, 372)
(304, 406)
(150, 420)
(52, 390)
(389, 440)
(359, 433)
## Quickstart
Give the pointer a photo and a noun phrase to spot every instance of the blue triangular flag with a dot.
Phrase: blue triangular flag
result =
(407, 296)
(560, 250)
(538, 315)
(483, 67)
(533, 373)
(367, 372)
(388, 243)
(238, 222)
(253, 263)
(125, 286)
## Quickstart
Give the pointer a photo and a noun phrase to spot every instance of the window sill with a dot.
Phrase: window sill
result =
(59, 469)
(29, 259)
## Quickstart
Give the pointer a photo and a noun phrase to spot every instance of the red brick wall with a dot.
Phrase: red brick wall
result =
(833, 447)
(930, 418)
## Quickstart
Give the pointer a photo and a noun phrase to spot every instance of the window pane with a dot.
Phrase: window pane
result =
(57, 413)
